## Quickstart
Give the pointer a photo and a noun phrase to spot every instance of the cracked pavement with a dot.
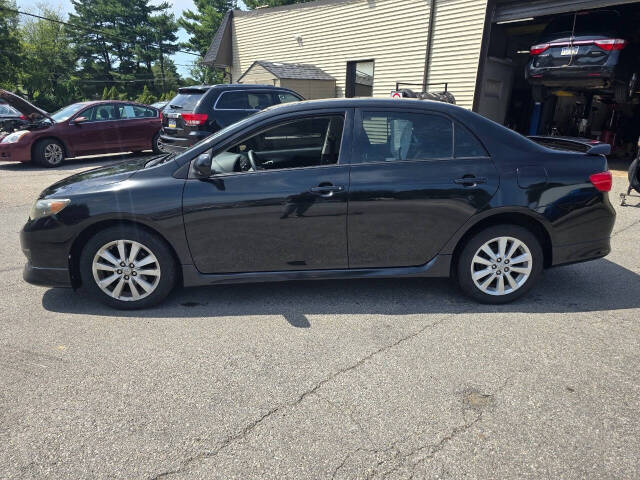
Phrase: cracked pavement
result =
(363, 379)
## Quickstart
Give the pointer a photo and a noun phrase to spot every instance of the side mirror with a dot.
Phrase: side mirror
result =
(80, 120)
(202, 165)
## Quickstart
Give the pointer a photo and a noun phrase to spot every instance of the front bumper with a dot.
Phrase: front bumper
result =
(47, 277)
(47, 255)
(15, 152)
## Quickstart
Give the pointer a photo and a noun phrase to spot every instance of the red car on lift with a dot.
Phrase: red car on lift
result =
(85, 128)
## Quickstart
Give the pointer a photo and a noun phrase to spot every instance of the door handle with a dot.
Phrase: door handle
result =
(470, 180)
(326, 190)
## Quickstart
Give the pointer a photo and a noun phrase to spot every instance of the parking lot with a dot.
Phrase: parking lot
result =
(332, 379)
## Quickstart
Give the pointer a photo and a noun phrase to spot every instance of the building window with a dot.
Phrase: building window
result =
(359, 79)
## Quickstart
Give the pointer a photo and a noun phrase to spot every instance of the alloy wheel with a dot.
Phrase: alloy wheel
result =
(501, 266)
(126, 270)
(53, 153)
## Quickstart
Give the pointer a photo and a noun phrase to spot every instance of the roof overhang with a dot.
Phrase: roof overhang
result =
(220, 53)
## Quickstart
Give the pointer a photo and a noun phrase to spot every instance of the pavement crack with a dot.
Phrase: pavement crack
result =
(624, 229)
(251, 426)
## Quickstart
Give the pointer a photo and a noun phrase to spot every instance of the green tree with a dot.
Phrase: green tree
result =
(201, 25)
(146, 96)
(113, 93)
(45, 43)
(271, 3)
(105, 94)
(10, 54)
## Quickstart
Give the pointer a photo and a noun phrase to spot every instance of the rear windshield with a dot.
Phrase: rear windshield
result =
(8, 110)
(592, 23)
(186, 100)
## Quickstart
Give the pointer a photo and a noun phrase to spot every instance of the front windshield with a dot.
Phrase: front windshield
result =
(67, 112)
(211, 138)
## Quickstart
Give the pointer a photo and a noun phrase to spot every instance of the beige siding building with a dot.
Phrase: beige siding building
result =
(365, 45)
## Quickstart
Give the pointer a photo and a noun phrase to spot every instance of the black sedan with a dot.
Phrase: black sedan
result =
(327, 189)
(591, 51)
(10, 119)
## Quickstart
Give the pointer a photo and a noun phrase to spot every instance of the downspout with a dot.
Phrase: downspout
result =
(432, 24)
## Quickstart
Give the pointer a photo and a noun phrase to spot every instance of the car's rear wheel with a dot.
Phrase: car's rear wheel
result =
(500, 264)
(127, 268)
(48, 153)
(156, 143)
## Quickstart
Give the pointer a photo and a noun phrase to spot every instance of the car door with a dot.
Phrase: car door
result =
(97, 133)
(234, 105)
(288, 214)
(137, 126)
(411, 189)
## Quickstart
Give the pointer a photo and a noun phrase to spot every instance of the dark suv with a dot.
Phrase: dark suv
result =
(594, 51)
(197, 112)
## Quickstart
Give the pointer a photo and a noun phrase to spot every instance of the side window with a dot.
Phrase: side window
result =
(126, 111)
(233, 101)
(259, 101)
(467, 145)
(394, 136)
(307, 142)
(284, 97)
(100, 113)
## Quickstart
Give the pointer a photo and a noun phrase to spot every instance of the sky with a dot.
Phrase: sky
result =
(182, 60)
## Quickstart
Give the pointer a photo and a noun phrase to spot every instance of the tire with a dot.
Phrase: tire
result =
(621, 93)
(634, 175)
(152, 288)
(539, 93)
(468, 261)
(49, 153)
(155, 143)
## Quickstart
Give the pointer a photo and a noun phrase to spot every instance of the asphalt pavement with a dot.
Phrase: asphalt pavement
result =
(355, 379)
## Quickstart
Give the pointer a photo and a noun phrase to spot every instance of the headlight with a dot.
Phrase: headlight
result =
(15, 136)
(46, 207)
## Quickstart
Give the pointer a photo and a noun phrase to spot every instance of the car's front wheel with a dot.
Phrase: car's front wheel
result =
(48, 153)
(127, 268)
(500, 264)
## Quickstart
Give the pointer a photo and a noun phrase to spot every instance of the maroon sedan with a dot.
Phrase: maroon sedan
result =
(85, 128)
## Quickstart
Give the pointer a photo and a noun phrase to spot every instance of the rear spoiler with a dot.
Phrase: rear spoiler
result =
(574, 144)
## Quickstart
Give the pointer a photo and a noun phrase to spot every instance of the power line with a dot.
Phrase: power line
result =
(86, 29)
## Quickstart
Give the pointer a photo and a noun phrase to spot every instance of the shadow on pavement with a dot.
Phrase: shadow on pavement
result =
(596, 286)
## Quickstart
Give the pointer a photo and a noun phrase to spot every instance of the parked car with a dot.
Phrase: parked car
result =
(197, 112)
(84, 128)
(10, 119)
(327, 189)
(590, 51)
(160, 105)
(574, 144)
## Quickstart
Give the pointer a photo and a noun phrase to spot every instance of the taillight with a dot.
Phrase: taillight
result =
(538, 49)
(23, 117)
(602, 181)
(194, 119)
(611, 44)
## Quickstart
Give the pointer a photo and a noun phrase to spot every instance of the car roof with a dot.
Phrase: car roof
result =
(231, 86)
(366, 102)
(92, 103)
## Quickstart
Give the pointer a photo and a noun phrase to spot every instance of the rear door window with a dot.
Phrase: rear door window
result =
(466, 144)
(244, 101)
(400, 136)
(286, 97)
(135, 112)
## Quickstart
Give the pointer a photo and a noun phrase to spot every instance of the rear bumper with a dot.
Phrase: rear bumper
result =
(180, 144)
(572, 77)
(15, 152)
(581, 252)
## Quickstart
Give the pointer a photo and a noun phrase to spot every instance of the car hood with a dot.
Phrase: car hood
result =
(25, 108)
(98, 177)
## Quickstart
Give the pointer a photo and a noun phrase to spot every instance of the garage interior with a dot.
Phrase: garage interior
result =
(506, 96)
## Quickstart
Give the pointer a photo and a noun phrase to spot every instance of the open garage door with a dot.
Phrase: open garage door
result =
(511, 10)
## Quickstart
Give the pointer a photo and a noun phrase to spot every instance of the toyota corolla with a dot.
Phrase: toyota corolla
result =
(329, 189)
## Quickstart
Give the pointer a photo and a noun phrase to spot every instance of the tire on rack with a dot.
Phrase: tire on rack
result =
(621, 93)
(127, 267)
(48, 152)
(499, 264)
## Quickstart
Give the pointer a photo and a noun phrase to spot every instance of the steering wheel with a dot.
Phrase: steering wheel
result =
(252, 160)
